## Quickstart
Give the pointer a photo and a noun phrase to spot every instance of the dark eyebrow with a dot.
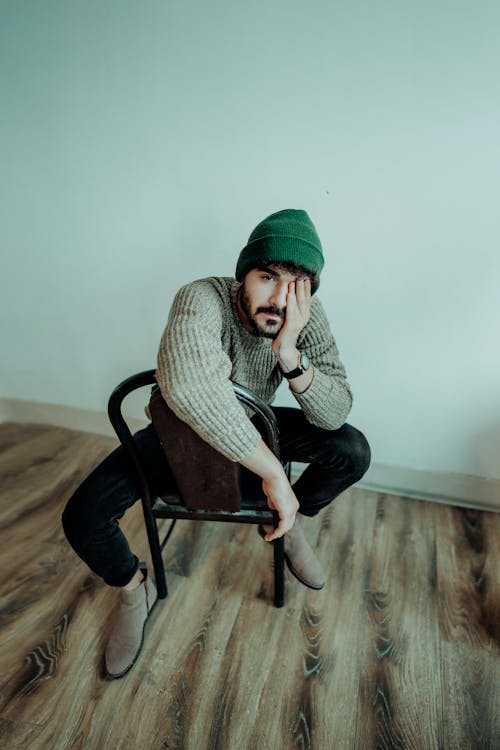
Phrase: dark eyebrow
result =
(266, 269)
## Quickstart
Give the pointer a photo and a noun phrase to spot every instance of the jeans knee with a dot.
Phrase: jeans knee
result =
(78, 520)
(350, 452)
(71, 522)
(360, 453)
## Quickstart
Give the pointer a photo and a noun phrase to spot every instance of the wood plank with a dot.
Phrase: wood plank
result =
(468, 616)
(396, 682)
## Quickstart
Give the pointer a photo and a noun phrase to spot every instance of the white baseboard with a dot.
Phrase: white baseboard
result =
(466, 490)
(85, 420)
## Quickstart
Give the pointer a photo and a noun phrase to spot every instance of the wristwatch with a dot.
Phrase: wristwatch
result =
(303, 366)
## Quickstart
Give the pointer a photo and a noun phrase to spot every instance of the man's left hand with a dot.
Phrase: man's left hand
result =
(298, 311)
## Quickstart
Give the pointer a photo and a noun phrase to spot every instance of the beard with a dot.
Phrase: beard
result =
(264, 330)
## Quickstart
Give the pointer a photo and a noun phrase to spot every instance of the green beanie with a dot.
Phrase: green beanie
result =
(287, 235)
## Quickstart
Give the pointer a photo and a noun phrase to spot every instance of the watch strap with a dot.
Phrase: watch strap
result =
(293, 373)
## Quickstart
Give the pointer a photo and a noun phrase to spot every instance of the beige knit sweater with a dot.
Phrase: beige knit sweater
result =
(205, 346)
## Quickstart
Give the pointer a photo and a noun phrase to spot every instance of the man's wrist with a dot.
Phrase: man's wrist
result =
(263, 462)
(288, 359)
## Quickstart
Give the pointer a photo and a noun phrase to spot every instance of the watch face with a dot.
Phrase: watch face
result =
(304, 361)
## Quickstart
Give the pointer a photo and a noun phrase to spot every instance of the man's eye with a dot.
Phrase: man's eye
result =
(268, 277)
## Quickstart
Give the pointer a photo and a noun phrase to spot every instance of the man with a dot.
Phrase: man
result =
(255, 330)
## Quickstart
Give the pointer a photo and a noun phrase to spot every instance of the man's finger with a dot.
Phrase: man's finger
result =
(283, 527)
(276, 534)
(301, 292)
(292, 300)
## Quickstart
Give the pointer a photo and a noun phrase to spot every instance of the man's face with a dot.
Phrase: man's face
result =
(262, 300)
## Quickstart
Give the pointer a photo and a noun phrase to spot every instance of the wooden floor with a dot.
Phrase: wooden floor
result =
(401, 650)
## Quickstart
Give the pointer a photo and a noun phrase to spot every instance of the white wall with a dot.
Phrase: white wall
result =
(143, 141)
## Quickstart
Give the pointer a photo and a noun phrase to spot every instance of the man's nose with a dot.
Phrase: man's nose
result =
(278, 297)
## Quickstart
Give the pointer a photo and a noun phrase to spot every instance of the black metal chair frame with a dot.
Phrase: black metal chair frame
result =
(155, 508)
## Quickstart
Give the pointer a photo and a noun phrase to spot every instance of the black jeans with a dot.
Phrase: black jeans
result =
(337, 459)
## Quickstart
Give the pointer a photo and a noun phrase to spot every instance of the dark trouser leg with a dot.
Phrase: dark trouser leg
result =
(91, 516)
(337, 458)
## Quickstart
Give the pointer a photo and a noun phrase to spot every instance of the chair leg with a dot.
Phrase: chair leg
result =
(279, 566)
(279, 572)
(155, 549)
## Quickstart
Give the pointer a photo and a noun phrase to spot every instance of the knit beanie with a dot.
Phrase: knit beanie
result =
(287, 235)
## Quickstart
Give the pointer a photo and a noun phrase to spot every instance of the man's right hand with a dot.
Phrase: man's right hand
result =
(276, 487)
(280, 497)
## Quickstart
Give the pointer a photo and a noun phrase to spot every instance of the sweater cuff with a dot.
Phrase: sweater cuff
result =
(326, 403)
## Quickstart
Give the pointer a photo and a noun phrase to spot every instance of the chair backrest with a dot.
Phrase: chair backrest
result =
(206, 479)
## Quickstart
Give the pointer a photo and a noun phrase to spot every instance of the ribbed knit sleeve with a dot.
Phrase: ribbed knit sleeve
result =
(194, 372)
(328, 399)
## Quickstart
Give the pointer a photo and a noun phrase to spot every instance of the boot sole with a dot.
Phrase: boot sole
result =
(290, 567)
(119, 675)
(296, 575)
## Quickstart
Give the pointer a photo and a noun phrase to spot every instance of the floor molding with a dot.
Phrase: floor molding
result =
(468, 490)
(465, 490)
(84, 420)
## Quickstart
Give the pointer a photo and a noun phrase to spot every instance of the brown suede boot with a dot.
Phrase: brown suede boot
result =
(126, 639)
(300, 557)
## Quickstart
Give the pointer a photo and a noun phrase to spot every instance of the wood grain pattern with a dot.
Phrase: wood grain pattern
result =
(401, 649)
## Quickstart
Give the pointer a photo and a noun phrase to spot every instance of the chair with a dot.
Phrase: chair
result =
(252, 509)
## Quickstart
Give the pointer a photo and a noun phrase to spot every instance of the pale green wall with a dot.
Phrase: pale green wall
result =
(141, 141)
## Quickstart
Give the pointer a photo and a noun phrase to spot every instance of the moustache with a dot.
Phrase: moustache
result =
(272, 310)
